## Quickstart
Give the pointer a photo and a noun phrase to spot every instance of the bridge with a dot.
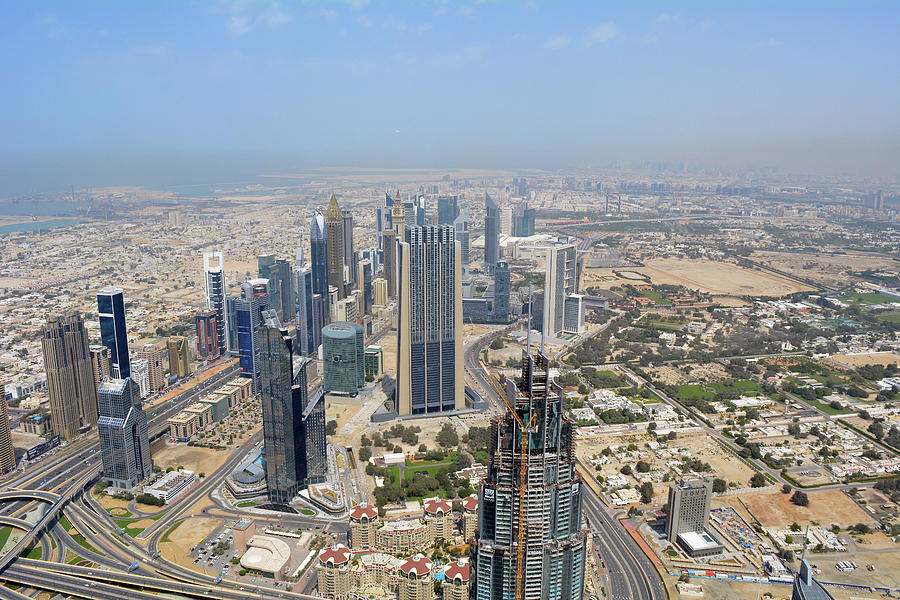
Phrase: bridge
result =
(13, 495)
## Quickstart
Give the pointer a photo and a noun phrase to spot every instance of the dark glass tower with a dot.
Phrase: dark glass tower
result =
(364, 284)
(214, 273)
(491, 234)
(111, 309)
(448, 209)
(530, 543)
(248, 316)
(281, 294)
(318, 250)
(334, 236)
(124, 446)
(501, 292)
(305, 317)
(349, 249)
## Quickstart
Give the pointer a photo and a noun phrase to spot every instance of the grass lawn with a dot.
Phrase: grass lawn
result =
(5, 532)
(118, 511)
(694, 391)
(64, 523)
(247, 504)
(307, 512)
(655, 295)
(893, 317)
(432, 469)
(873, 298)
(72, 558)
(393, 474)
(79, 539)
(416, 463)
(165, 537)
(34, 553)
(826, 408)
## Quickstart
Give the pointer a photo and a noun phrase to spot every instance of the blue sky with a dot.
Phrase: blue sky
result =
(112, 90)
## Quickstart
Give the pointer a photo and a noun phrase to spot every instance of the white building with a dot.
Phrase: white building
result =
(172, 485)
(140, 372)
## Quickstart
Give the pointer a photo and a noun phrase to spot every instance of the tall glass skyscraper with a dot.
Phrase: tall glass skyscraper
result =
(111, 309)
(124, 446)
(318, 250)
(293, 422)
(214, 274)
(500, 309)
(364, 284)
(305, 317)
(491, 233)
(281, 294)
(343, 358)
(530, 542)
(248, 316)
(349, 248)
(429, 336)
(448, 209)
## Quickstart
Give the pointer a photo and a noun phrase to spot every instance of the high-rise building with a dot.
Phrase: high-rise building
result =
(688, 508)
(523, 221)
(500, 308)
(491, 233)
(207, 334)
(506, 220)
(70, 374)
(380, 291)
(231, 319)
(349, 250)
(99, 364)
(179, 356)
(113, 335)
(429, 336)
(530, 543)
(124, 446)
(343, 358)
(318, 251)
(364, 283)
(573, 321)
(461, 231)
(140, 373)
(448, 209)
(345, 310)
(559, 283)
(389, 242)
(214, 275)
(154, 357)
(305, 321)
(249, 308)
(281, 294)
(293, 419)
(7, 452)
(334, 243)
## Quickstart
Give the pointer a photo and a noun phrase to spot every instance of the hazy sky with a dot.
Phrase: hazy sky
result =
(102, 92)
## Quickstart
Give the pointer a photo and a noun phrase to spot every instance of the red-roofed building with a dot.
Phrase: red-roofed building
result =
(470, 516)
(333, 572)
(415, 579)
(456, 580)
(363, 525)
(439, 518)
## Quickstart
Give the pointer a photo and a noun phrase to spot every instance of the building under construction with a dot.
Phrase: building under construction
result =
(530, 543)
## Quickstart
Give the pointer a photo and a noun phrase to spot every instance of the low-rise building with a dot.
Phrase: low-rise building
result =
(218, 405)
(171, 486)
(438, 519)
(402, 536)
(269, 555)
(333, 572)
(182, 426)
(415, 580)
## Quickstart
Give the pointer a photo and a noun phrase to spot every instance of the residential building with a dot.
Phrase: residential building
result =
(350, 258)
(547, 558)
(559, 283)
(248, 311)
(318, 250)
(364, 283)
(343, 358)
(346, 309)
(448, 209)
(688, 507)
(573, 319)
(403, 536)
(155, 372)
(113, 335)
(439, 519)
(461, 231)
(179, 356)
(469, 517)
(7, 452)
(141, 374)
(416, 579)
(70, 374)
(124, 445)
(491, 234)
(99, 364)
(207, 329)
(455, 585)
(429, 336)
(334, 244)
(380, 291)
(390, 271)
(500, 308)
(506, 220)
(364, 522)
(214, 276)
(333, 572)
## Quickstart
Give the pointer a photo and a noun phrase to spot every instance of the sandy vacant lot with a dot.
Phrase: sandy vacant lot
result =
(185, 536)
(725, 465)
(192, 458)
(826, 507)
(874, 358)
(828, 269)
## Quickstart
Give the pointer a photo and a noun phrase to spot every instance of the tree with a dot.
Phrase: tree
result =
(719, 485)
(496, 344)
(786, 489)
(364, 453)
(646, 492)
(364, 441)
(876, 429)
(643, 466)
(800, 498)
(626, 470)
(331, 427)
(757, 480)
(447, 436)
(788, 539)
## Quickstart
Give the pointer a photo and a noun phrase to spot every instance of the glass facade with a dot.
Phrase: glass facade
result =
(318, 250)
(122, 425)
(111, 309)
(491, 234)
(305, 317)
(214, 271)
(343, 358)
(248, 316)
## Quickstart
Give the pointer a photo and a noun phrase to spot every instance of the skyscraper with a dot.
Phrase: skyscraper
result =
(305, 319)
(111, 309)
(318, 250)
(7, 452)
(523, 221)
(154, 357)
(99, 364)
(179, 356)
(380, 291)
(214, 275)
(343, 358)
(389, 241)
(448, 209)
(530, 543)
(124, 446)
(429, 335)
(364, 283)
(207, 334)
(70, 374)
(806, 587)
(688, 507)
(491, 233)
(281, 294)
(293, 422)
(248, 310)
(461, 231)
(334, 242)
(559, 283)
(349, 250)
(500, 309)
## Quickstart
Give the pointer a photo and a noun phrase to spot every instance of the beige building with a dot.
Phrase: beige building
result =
(179, 356)
(469, 516)
(154, 357)
(99, 364)
(7, 454)
(182, 426)
(402, 536)
(202, 411)
(415, 582)
(380, 289)
(375, 570)
(333, 572)
(70, 375)
(242, 531)
(364, 523)
(439, 519)
(456, 580)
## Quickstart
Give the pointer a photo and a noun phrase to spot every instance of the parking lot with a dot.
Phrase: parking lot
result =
(215, 551)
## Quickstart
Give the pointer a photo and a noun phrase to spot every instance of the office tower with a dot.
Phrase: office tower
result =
(688, 507)
(281, 294)
(293, 422)
(231, 320)
(559, 283)
(500, 309)
(140, 373)
(179, 356)
(364, 283)
(345, 310)
(349, 250)
(429, 336)
(99, 364)
(7, 452)
(506, 220)
(154, 357)
(461, 232)
(398, 218)
(214, 275)
(420, 209)
(207, 334)
(573, 321)
(334, 242)
(389, 241)
(523, 221)
(343, 358)
(410, 216)
(248, 309)
(305, 319)
(491, 234)
(530, 543)
(124, 446)
(380, 291)
(318, 250)
(111, 309)
(448, 209)
(878, 201)
(806, 587)
(70, 374)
